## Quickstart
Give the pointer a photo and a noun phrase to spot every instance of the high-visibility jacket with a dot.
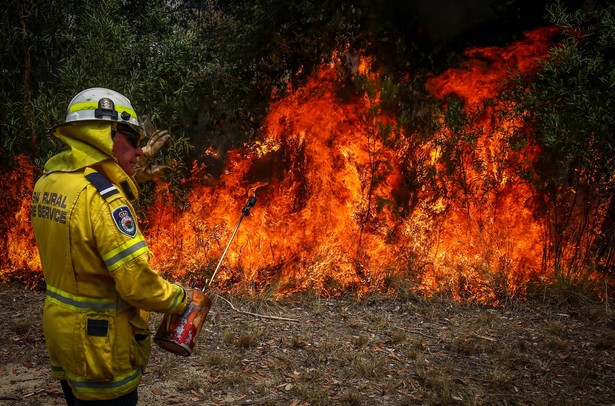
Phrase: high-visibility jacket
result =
(100, 286)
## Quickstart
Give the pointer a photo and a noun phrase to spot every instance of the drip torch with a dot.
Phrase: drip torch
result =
(177, 333)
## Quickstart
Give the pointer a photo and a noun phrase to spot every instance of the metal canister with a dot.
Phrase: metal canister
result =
(177, 333)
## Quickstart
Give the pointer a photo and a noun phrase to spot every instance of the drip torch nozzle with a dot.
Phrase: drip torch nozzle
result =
(244, 212)
(249, 205)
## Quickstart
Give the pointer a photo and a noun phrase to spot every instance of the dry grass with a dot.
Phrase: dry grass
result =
(349, 351)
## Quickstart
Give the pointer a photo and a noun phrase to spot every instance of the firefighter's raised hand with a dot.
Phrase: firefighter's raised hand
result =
(146, 167)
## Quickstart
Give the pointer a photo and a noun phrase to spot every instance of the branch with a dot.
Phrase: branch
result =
(256, 314)
(33, 393)
(415, 331)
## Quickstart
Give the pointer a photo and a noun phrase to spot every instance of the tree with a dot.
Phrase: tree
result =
(32, 51)
(566, 108)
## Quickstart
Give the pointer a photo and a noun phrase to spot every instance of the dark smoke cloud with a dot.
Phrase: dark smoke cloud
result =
(445, 19)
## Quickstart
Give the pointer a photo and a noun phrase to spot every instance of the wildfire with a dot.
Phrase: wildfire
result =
(334, 212)
(307, 175)
(322, 223)
(490, 233)
(16, 237)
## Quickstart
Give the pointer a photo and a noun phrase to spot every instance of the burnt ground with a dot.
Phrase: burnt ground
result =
(349, 351)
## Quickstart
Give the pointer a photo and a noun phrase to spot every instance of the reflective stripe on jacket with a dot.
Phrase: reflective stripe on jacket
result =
(99, 282)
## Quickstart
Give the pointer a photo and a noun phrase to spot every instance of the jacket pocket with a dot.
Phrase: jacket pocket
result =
(140, 343)
(98, 333)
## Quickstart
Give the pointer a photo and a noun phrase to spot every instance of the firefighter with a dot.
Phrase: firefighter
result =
(100, 286)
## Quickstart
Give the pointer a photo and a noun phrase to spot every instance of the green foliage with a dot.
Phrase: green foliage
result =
(570, 100)
(462, 163)
(156, 52)
(578, 80)
(380, 94)
(32, 48)
(566, 108)
(281, 42)
(204, 70)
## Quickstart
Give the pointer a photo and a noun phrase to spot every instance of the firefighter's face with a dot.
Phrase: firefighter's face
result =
(126, 152)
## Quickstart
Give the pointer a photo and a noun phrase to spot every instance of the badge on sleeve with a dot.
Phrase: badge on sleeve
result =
(125, 222)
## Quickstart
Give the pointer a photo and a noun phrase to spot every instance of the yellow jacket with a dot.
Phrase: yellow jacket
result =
(95, 262)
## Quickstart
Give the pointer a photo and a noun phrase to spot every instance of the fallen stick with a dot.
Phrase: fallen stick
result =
(415, 331)
(33, 393)
(25, 380)
(256, 314)
(485, 337)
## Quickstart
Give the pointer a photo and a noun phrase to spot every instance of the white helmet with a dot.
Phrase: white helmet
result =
(98, 103)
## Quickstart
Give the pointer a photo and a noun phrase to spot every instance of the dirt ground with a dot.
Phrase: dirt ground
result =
(348, 351)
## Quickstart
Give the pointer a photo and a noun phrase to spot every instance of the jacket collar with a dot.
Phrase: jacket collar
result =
(89, 144)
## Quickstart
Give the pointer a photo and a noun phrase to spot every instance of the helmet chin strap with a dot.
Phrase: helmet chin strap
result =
(113, 130)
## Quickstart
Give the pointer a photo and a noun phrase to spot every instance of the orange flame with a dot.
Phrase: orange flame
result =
(307, 175)
(311, 228)
(490, 233)
(19, 246)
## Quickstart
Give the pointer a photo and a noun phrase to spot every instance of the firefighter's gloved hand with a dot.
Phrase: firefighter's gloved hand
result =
(146, 167)
(189, 294)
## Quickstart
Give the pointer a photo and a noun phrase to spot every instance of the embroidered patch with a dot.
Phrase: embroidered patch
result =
(125, 222)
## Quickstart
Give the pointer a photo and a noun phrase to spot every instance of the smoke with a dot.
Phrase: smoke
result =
(445, 19)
